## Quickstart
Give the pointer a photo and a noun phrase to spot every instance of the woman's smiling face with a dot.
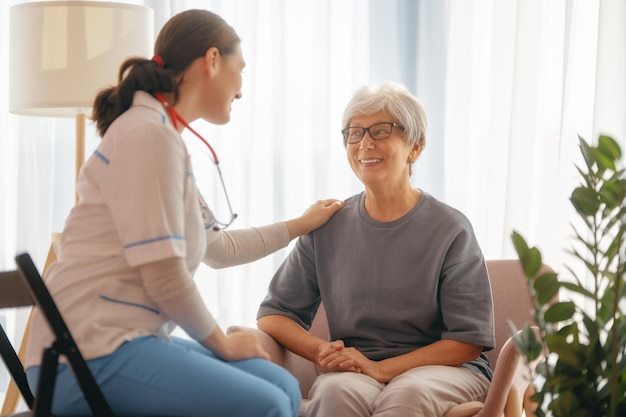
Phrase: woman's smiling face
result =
(379, 162)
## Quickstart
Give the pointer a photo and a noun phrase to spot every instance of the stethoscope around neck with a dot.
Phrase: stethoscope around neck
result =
(175, 118)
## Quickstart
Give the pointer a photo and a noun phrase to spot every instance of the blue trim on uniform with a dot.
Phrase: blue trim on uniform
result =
(156, 239)
(163, 118)
(207, 226)
(104, 158)
(150, 309)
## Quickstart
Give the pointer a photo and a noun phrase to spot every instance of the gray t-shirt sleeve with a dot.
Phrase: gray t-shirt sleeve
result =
(466, 304)
(293, 292)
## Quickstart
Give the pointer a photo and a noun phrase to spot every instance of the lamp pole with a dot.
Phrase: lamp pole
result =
(80, 147)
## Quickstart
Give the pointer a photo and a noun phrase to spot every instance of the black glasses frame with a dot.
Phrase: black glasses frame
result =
(345, 132)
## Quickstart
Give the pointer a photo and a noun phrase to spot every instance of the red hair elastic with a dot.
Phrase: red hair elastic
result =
(158, 60)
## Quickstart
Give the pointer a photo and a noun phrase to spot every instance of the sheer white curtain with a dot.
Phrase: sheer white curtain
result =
(523, 80)
(508, 86)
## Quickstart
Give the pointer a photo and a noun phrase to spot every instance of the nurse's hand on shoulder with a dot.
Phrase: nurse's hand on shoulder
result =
(313, 217)
(235, 346)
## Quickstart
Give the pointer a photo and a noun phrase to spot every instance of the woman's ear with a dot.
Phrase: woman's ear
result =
(211, 59)
(415, 152)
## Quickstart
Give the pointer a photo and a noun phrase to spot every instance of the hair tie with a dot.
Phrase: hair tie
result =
(158, 60)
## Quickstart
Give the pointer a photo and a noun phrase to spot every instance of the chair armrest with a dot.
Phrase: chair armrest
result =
(503, 397)
(510, 378)
(304, 370)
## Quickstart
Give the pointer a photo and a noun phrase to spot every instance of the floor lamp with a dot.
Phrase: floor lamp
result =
(61, 54)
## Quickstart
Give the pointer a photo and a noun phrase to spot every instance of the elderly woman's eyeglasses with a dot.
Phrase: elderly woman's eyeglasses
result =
(378, 131)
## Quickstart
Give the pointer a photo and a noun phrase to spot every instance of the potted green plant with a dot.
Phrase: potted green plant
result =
(579, 348)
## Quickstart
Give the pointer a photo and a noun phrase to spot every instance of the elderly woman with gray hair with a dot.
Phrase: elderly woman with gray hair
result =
(401, 276)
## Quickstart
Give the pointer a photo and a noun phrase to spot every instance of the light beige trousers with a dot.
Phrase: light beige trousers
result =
(427, 391)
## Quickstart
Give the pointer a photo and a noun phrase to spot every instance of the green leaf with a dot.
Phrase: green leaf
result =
(609, 147)
(604, 161)
(560, 312)
(575, 276)
(530, 258)
(547, 287)
(567, 356)
(585, 150)
(586, 201)
(612, 250)
(577, 288)
(531, 262)
(592, 328)
(612, 193)
(520, 244)
(584, 176)
(608, 304)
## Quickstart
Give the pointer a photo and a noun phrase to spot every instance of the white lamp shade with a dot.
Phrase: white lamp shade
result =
(63, 52)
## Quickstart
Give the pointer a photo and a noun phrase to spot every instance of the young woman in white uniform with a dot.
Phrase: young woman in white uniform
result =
(131, 245)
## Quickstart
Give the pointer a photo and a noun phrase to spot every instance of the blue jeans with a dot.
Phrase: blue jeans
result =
(149, 376)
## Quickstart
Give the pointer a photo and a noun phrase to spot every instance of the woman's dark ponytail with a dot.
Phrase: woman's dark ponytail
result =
(184, 38)
(135, 74)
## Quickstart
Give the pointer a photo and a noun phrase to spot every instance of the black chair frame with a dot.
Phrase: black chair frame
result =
(25, 287)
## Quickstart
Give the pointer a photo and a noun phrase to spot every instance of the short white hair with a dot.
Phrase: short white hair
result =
(395, 99)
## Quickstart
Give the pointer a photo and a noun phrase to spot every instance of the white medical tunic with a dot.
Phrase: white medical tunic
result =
(138, 203)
